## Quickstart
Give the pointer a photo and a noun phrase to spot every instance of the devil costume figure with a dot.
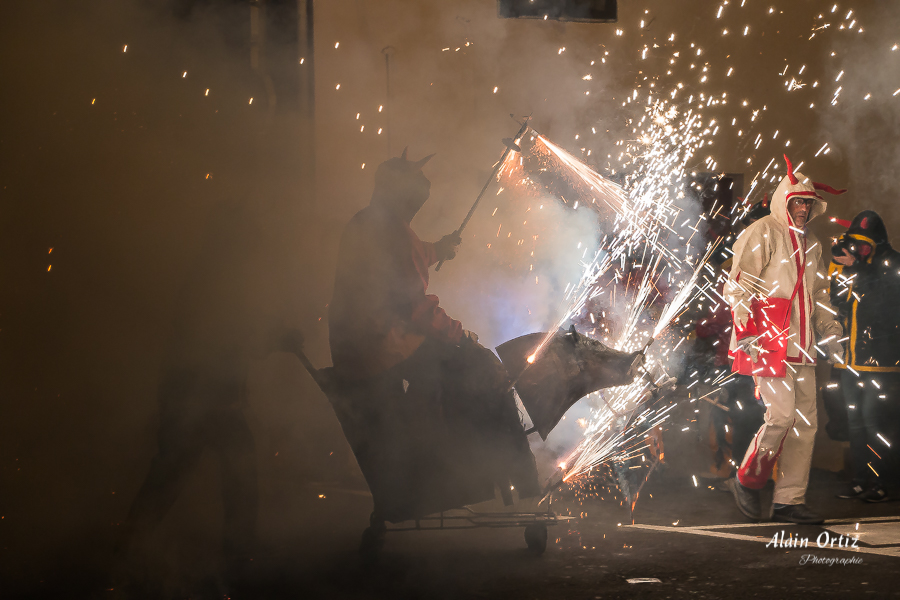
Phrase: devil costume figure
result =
(865, 290)
(415, 364)
(780, 302)
(380, 313)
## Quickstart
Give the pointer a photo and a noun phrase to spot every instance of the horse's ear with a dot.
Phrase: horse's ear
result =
(403, 155)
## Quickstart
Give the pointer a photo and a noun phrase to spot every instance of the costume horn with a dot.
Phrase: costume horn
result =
(421, 162)
(842, 222)
(827, 188)
(790, 170)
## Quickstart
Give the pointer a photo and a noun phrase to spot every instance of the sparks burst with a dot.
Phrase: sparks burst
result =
(653, 261)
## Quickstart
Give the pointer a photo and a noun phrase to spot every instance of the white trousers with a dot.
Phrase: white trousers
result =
(788, 434)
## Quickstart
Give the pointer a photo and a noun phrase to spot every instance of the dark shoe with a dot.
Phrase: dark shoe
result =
(747, 500)
(797, 513)
(854, 490)
(875, 494)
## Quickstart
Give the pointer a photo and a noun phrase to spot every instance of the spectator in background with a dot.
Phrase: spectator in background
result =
(736, 427)
(741, 414)
(865, 289)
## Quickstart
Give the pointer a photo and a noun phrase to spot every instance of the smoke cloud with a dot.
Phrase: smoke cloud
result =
(129, 129)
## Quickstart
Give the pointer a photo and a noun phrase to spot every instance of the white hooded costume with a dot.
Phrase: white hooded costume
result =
(769, 256)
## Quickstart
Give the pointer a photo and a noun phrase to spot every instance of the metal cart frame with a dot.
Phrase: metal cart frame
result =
(464, 517)
(535, 524)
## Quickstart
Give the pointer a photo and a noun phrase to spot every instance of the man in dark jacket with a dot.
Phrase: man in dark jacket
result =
(387, 333)
(865, 289)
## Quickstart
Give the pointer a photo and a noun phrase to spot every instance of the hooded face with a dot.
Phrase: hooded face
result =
(796, 204)
(401, 187)
(796, 200)
(799, 208)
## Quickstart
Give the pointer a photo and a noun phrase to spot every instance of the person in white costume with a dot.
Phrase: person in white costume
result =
(780, 303)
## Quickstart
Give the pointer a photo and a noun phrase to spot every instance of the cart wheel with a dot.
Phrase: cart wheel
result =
(536, 538)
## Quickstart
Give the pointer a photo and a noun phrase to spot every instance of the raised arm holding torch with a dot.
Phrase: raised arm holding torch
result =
(511, 146)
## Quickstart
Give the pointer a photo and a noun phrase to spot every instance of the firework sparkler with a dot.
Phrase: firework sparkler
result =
(654, 251)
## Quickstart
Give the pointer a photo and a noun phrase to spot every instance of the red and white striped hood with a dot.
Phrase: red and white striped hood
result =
(795, 184)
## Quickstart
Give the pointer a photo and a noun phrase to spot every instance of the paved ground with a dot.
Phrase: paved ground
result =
(691, 539)
(710, 553)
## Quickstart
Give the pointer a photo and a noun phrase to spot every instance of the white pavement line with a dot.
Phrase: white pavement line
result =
(765, 540)
(864, 520)
(877, 535)
(777, 523)
(739, 525)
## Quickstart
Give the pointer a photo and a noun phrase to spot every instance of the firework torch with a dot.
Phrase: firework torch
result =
(511, 146)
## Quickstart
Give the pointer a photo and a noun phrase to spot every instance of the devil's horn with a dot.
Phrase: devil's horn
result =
(827, 188)
(765, 200)
(421, 162)
(790, 170)
(841, 222)
(403, 155)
